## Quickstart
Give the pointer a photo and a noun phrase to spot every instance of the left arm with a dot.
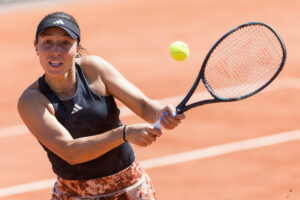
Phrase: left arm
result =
(131, 96)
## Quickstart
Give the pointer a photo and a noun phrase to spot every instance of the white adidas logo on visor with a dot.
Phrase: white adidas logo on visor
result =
(76, 108)
(58, 22)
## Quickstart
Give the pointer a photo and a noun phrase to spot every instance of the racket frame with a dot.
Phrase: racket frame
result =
(182, 107)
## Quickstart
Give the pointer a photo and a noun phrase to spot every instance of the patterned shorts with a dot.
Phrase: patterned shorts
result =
(132, 183)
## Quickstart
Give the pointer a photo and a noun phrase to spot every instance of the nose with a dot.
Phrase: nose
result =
(57, 48)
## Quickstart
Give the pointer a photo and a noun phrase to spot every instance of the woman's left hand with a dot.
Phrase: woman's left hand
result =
(168, 117)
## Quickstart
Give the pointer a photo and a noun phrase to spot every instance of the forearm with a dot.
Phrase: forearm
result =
(88, 148)
(150, 110)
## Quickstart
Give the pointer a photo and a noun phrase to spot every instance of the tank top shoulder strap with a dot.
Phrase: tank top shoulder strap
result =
(45, 89)
(81, 78)
(55, 101)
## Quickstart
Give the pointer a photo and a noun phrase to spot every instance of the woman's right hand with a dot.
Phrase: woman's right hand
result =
(142, 134)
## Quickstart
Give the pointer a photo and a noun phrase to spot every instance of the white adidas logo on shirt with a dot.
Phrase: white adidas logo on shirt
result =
(76, 108)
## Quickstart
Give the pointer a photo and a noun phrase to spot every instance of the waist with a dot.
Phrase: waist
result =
(110, 163)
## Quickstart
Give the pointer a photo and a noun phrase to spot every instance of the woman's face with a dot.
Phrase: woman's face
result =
(56, 50)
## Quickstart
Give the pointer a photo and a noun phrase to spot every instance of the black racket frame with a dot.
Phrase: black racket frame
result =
(182, 107)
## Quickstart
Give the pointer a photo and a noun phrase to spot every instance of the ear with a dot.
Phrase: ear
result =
(35, 46)
(79, 48)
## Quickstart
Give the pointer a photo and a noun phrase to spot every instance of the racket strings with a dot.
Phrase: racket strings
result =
(239, 72)
(243, 62)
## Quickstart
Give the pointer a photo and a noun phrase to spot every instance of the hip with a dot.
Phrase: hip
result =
(132, 183)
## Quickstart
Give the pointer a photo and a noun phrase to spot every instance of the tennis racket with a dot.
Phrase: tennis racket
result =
(240, 64)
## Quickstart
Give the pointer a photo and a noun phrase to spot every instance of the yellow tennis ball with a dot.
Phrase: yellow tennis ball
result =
(179, 50)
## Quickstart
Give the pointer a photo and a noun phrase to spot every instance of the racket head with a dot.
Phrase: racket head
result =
(262, 54)
(254, 38)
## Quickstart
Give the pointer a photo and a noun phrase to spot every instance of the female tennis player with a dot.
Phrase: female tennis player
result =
(72, 112)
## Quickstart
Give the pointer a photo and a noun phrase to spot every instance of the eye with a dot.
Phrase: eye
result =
(66, 43)
(48, 43)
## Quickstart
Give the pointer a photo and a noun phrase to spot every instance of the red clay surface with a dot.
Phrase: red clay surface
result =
(134, 36)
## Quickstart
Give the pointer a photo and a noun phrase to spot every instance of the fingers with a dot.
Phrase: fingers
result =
(145, 134)
(168, 122)
(142, 134)
(154, 132)
(150, 135)
(169, 119)
(180, 116)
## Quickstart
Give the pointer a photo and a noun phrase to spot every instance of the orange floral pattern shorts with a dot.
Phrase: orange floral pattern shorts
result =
(132, 183)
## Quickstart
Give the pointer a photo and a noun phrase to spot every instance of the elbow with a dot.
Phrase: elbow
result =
(70, 155)
(71, 161)
(70, 158)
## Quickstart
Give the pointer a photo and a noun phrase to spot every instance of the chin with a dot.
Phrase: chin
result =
(55, 71)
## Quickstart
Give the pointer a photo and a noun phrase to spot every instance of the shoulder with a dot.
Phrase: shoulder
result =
(31, 98)
(93, 62)
(95, 65)
(32, 92)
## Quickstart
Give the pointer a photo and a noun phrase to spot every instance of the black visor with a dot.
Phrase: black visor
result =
(70, 27)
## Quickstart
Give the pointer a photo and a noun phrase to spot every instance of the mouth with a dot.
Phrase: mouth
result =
(55, 64)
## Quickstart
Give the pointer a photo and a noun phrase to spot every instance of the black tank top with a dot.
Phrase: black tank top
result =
(86, 114)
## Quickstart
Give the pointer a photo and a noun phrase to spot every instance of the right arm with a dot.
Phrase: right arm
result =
(38, 115)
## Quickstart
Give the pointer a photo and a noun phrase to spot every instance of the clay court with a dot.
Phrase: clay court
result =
(246, 150)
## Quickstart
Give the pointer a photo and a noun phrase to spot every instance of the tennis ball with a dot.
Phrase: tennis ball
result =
(179, 50)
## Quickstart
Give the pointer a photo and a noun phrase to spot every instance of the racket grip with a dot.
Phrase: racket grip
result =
(157, 123)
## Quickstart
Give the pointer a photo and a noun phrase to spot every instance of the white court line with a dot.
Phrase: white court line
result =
(13, 131)
(175, 158)
(222, 149)
(28, 187)
(284, 83)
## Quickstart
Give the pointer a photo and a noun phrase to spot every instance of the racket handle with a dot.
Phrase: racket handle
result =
(157, 123)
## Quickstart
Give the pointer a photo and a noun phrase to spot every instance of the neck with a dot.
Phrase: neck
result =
(65, 84)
